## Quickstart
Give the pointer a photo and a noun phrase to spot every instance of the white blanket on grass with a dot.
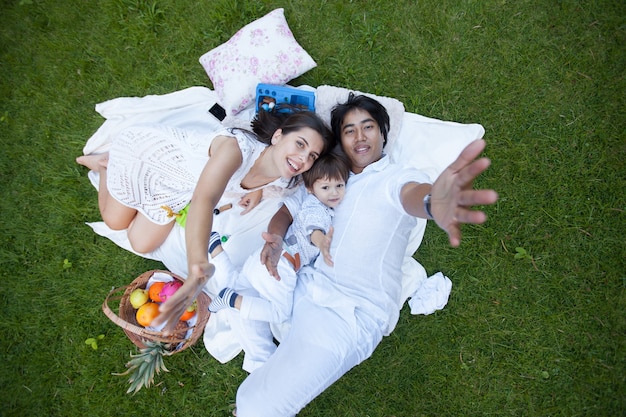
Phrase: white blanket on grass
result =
(426, 143)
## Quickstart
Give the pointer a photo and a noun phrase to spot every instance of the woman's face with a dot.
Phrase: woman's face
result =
(296, 151)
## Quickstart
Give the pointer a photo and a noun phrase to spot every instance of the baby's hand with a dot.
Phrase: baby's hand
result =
(322, 241)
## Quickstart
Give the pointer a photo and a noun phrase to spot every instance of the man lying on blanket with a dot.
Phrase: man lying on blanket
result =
(341, 313)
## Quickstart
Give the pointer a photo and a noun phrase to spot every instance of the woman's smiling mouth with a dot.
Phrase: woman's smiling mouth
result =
(294, 167)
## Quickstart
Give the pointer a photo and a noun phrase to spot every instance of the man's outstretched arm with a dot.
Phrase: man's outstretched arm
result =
(452, 194)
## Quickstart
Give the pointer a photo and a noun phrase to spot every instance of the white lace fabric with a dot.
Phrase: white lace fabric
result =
(156, 166)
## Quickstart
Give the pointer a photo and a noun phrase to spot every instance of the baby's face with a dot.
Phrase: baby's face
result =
(329, 191)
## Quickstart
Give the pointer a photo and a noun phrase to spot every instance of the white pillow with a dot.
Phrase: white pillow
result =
(263, 51)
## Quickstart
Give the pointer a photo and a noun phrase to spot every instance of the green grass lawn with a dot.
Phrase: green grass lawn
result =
(534, 331)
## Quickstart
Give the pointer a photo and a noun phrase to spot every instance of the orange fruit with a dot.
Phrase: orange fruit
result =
(187, 315)
(146, 313)
(154, 290)
(190, 312)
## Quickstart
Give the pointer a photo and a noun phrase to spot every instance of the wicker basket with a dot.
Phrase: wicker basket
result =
(137, 333)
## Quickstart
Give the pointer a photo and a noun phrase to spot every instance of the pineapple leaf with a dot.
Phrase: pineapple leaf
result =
(143, 366)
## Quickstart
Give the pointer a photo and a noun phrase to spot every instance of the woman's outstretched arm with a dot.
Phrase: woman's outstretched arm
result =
(225, 159)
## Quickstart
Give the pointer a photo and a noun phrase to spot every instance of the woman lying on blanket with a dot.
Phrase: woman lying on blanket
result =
(152, 173)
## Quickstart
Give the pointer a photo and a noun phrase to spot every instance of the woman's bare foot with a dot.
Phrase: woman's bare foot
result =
(94, 161)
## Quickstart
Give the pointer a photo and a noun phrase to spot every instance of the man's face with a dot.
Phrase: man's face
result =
(361, 139)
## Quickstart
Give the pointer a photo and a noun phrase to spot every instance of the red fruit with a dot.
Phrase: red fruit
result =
(170, 289)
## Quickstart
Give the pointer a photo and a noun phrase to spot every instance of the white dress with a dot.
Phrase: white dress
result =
(155, 166)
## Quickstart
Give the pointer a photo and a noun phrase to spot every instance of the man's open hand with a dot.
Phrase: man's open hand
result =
(453, 194)
(270, 254)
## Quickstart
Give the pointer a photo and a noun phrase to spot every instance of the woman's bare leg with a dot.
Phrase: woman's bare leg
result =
(114, 214)
(145, 235)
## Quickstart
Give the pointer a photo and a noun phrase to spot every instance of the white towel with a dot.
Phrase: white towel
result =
(432, 295)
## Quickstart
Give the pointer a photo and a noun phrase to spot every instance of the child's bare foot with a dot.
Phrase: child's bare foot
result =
(94, 161)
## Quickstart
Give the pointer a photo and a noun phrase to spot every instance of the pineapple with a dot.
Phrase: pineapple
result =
(142, 366)
(149, 361)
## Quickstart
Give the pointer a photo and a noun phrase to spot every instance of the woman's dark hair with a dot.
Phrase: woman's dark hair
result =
(290, 119)
(361, 102)
(333, 165)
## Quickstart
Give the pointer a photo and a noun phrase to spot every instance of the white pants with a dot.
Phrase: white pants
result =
(320, 347)
(264, 300)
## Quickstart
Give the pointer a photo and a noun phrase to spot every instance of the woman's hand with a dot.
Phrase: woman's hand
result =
(322, 241)
(453, 194)
(270, 254)
(251, 200)
(174, 307)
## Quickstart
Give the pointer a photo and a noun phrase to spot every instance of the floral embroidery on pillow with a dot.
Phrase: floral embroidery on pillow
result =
(263, 51)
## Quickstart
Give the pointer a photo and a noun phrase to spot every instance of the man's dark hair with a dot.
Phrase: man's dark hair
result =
(361, 102)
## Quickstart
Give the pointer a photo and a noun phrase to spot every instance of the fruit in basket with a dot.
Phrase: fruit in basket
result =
(190, 312)
(147, 313)
(138, 297)
(170, 289)
(155, 290)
